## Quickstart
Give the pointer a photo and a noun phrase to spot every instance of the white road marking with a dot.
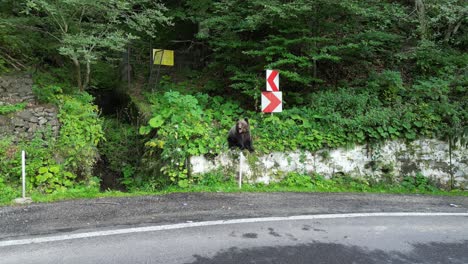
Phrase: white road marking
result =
(37, 240)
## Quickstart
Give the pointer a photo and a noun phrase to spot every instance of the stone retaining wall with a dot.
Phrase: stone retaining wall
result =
(24, 124)
(16, 89)
(394, 159)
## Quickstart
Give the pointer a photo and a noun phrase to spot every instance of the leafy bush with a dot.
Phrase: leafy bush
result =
(121, 149)
(53, 164)
(182, 130)
(215, 179)
(47, 93)
(8, 160)
(43, 171)
(418, 182)
(294, 179)
(187, 125)
(8, 192)
(80, 133)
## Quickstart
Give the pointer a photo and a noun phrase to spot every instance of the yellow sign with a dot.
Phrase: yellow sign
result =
(163, 57)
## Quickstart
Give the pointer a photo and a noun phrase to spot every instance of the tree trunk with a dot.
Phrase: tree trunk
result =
(87, 75)
(78, 74)
(452, 30)
(421, 10)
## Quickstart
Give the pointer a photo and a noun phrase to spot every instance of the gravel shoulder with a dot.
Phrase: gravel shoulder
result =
(109, 213)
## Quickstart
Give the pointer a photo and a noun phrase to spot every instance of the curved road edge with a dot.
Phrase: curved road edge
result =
(86, 216)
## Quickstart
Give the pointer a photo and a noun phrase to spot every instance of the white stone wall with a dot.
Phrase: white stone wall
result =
(427, 156)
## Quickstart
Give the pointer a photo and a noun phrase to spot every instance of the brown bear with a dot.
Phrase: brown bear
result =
(239, 135)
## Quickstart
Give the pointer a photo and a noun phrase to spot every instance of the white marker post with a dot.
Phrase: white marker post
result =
(23, 171)
(240, 170)
(24, 199)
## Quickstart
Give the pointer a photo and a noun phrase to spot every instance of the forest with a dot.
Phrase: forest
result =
(352, 72)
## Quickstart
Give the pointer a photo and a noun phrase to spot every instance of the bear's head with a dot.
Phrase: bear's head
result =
(242, 126)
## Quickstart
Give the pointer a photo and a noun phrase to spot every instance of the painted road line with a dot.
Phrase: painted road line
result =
(46, 239)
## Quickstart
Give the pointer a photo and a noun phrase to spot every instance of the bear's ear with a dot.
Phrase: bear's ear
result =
(246, 120)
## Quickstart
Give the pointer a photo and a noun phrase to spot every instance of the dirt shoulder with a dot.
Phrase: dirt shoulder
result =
(108, 213)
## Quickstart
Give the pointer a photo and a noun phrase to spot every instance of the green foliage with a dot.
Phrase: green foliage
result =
(310, 42)
(56, 163)
(3, 66)
(297, 129)
(187, 125)
(351, 72)
(9, 158)
(85, 29)
(53, 178)
(388, 86)
(49, 84)
(80, 133)
(344, 183)
(121, 149)
(418, 183)
(43, 171)
(295, 179)
(8, 192)
(7, 109)
(214, 179)
(182, 131)
(48, 93)
(19, 48)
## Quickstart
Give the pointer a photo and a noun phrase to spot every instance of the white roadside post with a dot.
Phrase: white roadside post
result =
(23, 172)
(240, 170)
(24, 199)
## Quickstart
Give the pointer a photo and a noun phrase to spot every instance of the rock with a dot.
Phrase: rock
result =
(25, 115)
(20, 129)
(25, 200)
(42, 121)
(54, 122)
(33, 128)
(18, 122)
(4, 121)
(34, 119)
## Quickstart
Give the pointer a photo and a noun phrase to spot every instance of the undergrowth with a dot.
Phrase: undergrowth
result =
(216, 182)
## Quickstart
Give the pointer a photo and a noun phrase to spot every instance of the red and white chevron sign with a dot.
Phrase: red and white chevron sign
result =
(272, 80)
(272, 102)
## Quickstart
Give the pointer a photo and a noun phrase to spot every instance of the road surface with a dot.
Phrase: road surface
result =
(239, 228)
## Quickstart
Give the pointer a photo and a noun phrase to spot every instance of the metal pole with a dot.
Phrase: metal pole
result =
(159, 70)
(150, 79)
(23, 172)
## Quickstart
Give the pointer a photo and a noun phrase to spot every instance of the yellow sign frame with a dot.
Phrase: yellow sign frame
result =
(163, 57)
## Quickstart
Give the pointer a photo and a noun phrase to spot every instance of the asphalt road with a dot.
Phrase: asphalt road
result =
(173, 229)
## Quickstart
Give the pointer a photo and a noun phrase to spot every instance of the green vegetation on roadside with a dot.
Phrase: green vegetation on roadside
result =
(214, 182)
(351, 72)
(54, 162)
(11, 108)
